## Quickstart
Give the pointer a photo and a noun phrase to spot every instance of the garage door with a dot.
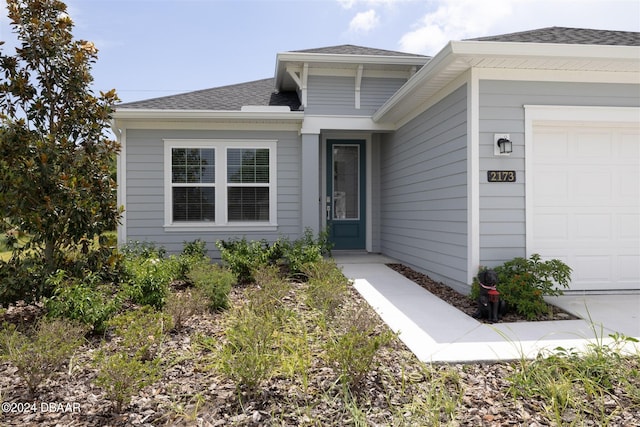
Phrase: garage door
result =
(586, 201)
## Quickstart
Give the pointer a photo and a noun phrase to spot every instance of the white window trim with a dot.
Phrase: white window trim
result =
(220, 146)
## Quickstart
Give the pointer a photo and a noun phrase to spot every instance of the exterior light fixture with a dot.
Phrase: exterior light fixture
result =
(502, 145)
(505, 145)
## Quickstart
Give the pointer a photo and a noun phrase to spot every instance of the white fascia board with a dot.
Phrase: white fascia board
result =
(151, 114)
(350, 59)
(549, 50)
(437, 63)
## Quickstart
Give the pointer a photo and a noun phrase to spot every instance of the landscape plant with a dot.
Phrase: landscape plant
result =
(54, 154)
(524, 282)
(85, 300)
(213, 282)
(41, 352)
(581, 386)
(129, 362)
(352, 349)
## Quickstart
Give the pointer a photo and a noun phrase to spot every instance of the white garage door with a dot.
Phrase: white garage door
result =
(586, 201)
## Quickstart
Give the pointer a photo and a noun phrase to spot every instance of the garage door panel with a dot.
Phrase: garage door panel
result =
(586, 202)
(590, 227)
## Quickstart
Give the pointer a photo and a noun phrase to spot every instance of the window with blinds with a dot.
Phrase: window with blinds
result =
(248, 184)
(193, 178)
(212, 183)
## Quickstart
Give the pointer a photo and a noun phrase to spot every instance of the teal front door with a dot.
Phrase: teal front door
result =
(346, 193)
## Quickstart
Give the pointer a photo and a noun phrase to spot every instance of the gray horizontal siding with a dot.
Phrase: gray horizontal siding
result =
(336, 95)
(502, 205)
(424, 191)
(145, 188)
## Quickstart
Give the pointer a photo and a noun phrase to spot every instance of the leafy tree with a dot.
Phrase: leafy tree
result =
(55, 181)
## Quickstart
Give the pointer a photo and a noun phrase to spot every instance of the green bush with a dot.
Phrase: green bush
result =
(41, 353)
(326, 287)
(214, 282)
(523, 283)
(149, 279)
(22, 278)
(87, 300)
(248, 356)
(121, 376)
(352, 350)
(305, 250)
(244, 257)
(141, 331)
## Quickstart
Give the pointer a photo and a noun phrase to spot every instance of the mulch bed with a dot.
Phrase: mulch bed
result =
(467, 305)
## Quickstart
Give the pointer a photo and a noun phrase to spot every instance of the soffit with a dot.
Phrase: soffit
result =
(458, 57)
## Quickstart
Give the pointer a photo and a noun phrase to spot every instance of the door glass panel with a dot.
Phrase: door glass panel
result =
(346, 174)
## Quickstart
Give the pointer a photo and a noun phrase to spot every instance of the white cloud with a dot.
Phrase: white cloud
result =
(348, 4)
(364, 21)
(454, 20)
(462, 19)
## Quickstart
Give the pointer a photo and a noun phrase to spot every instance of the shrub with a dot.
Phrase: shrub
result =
(121, 376)
(352, 352)
(305, 250)
(244, 257)
(141, 331)
(523, 283)
(86, 301)
(22, 278)
(39, 354)
(214, 282)
(149, 279)
(248, 355)
(326, 287)
(180, 306)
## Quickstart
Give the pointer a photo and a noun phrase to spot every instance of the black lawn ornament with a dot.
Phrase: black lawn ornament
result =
(490, 306)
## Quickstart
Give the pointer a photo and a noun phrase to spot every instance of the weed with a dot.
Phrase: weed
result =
(573, 385)
(39, 354)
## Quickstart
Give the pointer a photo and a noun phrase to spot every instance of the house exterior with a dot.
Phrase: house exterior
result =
(398, 154)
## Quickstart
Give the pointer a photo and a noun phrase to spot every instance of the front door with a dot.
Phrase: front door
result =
(346, 193)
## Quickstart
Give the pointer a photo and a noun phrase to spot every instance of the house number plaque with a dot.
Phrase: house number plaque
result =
(501, 176)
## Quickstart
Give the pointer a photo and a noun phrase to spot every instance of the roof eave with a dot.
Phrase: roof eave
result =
(325, 58)
(462, 50)
(154, 114)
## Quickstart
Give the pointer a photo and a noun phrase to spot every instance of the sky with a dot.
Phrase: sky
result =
(152, 48)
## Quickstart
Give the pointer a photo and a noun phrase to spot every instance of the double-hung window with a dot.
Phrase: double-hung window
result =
(210, 183)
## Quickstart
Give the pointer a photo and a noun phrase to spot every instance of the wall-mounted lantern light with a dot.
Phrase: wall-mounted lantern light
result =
(503, 145)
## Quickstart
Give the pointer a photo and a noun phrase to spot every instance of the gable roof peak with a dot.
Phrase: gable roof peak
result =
(350, 49)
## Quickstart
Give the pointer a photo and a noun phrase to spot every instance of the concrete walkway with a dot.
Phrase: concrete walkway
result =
(437, 332)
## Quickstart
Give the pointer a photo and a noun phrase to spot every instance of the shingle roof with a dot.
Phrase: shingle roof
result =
(349, 49)
(225, 98)
(565, 35)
